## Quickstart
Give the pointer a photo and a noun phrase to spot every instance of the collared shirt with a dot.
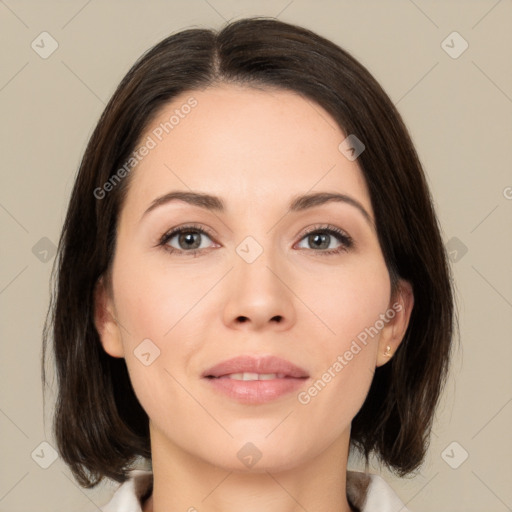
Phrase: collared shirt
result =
(365, 492)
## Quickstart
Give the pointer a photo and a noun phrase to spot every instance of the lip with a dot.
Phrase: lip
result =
(256, 364)
(291, 378)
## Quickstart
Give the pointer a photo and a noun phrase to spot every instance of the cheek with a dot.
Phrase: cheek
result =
(344, 369)
(153, 302)
(162, 323)
(348, 300)
(349, 305)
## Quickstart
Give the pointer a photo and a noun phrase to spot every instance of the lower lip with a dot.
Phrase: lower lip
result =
(256, 391)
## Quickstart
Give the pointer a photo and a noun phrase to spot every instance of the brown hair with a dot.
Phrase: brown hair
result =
(100, 426)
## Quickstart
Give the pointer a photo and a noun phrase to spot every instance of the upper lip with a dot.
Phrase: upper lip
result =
(255, 364)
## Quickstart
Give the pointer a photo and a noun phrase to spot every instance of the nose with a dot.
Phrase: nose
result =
(259, 295)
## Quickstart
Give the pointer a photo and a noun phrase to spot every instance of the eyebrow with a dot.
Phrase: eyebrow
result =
(298, 203)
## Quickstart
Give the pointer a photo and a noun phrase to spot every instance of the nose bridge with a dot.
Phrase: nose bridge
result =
(255, 260)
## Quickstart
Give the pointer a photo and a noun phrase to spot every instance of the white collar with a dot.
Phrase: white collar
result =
(368, 492)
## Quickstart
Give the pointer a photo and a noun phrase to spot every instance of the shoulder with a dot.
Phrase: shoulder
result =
(371, 493)
(128, 495)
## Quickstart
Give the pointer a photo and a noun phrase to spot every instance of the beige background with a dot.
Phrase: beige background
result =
(459, 112)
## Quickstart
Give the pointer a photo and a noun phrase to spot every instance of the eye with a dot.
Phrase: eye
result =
(320, 237)
(189, 240)
(185, 240)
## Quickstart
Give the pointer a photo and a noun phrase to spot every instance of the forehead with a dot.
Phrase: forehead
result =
(251, 146)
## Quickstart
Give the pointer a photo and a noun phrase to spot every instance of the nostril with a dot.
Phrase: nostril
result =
(243, 319)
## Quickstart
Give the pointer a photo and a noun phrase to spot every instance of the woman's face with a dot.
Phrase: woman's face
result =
(253, 284)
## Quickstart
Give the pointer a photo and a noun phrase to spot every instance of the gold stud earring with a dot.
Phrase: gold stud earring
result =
(387, 352)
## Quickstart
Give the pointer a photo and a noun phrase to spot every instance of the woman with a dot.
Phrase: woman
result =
(251, 282)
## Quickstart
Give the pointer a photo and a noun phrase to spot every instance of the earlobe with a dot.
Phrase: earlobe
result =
(105, 320)
(394, 331)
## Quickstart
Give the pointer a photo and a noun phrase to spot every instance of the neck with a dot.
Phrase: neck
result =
(183, 481)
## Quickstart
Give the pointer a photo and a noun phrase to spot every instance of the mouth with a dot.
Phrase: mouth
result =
(255, 380)
(250, 367)
(248, 376)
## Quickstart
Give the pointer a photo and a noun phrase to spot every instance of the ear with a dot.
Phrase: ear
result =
(394, 329)
(105, 320)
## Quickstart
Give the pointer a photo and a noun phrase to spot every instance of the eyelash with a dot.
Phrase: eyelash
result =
(346, 240)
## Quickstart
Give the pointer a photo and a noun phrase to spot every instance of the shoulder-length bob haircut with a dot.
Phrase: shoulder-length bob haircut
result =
(100, 427)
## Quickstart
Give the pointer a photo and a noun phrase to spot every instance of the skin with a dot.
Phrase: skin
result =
(256, 149)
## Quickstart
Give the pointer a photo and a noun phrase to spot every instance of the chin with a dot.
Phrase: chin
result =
(259, 456)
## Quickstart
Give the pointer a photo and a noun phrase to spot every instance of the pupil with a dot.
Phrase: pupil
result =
(188, 238)
(318, 240)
